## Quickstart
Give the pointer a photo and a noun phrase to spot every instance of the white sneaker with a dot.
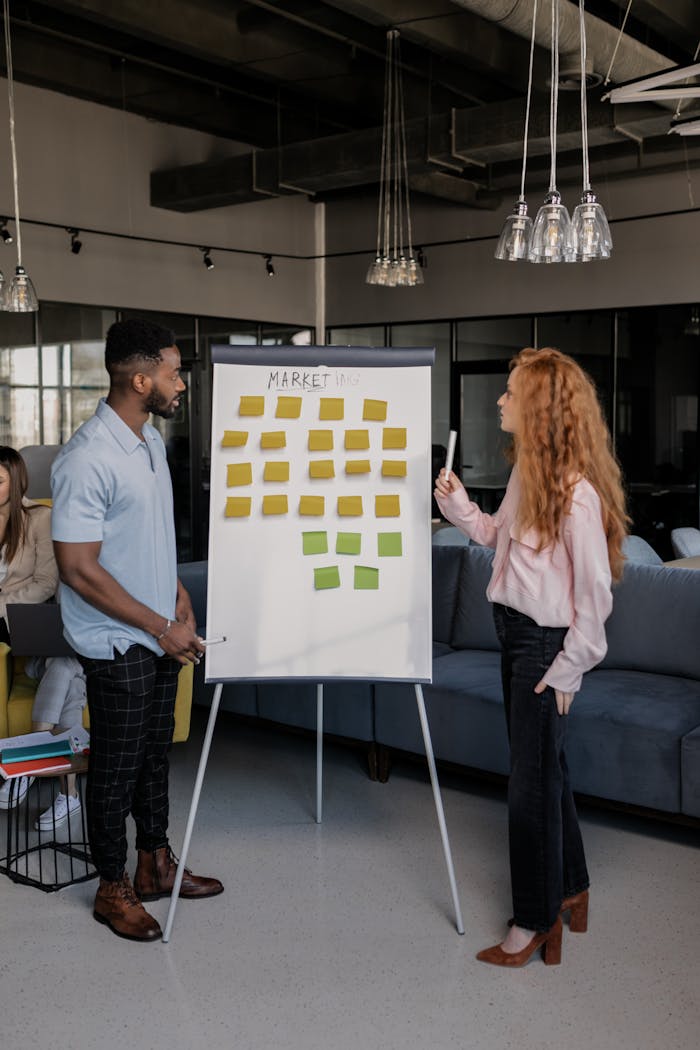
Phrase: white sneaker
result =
(20, 791)
(58, 812)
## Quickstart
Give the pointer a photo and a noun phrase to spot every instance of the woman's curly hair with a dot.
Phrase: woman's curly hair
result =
(562, 437)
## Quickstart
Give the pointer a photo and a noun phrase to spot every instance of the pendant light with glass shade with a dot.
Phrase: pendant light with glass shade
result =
(20, 296)
(551, 240)
(395, 264)
(514, 242)
(591, 232)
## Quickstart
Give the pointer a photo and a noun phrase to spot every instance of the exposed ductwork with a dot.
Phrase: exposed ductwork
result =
(632, 60)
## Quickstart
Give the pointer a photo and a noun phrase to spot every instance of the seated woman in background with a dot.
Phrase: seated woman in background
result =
(28, 574)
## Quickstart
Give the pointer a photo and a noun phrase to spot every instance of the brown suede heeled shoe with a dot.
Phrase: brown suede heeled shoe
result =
(549, 941)
(578, 906)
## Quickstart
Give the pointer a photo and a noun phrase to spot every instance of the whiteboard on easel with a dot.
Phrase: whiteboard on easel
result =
(319, 534)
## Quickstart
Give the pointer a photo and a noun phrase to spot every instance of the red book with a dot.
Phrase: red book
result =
(34, 766)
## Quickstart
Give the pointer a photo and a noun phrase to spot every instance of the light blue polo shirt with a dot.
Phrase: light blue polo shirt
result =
(110, 487)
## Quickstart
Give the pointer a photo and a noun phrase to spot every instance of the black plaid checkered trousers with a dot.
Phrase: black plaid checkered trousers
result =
(131, 700)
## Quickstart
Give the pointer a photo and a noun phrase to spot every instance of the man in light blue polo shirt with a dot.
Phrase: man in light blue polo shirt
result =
(128, 617)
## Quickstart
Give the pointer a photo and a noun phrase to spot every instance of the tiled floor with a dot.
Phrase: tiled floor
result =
(341, 936)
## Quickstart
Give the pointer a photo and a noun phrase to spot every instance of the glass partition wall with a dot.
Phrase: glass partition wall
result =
(645, 363)
(52, 375)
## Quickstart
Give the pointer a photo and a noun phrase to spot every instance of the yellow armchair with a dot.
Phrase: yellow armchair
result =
(17, 698)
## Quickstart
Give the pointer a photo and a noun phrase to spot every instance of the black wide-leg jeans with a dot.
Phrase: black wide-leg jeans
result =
(547, 861)
(131, 699)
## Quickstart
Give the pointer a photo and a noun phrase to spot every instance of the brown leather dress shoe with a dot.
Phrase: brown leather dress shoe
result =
(117, 906)
(155, 877)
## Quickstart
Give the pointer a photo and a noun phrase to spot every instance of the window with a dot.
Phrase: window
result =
(436, 334)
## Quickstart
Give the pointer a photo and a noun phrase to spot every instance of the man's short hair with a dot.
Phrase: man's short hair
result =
(135, 338)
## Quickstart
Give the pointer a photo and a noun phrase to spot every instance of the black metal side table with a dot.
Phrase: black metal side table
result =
(49, 859)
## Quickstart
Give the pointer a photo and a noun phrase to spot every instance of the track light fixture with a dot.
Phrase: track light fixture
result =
(206, 258)
(4, 232)
(75, 243)
(269, 267)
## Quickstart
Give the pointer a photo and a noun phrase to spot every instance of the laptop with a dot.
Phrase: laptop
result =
(37, 630)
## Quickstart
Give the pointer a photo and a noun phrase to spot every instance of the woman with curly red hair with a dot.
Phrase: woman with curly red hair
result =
(558, 538)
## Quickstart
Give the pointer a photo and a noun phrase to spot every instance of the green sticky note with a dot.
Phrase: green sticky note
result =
(366, 579)
(326, 578)
(315, 542)
(348, 543)
(389, 545)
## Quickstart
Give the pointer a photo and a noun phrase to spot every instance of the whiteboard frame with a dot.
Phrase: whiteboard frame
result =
(340, 363)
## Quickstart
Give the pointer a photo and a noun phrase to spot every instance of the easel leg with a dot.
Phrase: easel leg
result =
(438, 803)
(193, 810)
(319, 753)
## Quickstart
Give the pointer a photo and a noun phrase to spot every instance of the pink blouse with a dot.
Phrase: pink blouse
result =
(566, 584)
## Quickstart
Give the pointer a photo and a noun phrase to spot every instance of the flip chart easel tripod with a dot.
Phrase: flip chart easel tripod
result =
(319, 796)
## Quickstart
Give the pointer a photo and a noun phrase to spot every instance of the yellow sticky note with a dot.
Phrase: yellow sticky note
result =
(273, 439)
(321, 468)
(276, 471)
(357, 466)
(387, 506)
(374, 410)
(275, 505)
(320, 440)
(312, 506)
(239, 474)
(251, 406)
(394, 437)
(349, 506)
(238, 507)
(393, 468)
(357, 439)
(234, 438)
(331, 408)
(288, 408)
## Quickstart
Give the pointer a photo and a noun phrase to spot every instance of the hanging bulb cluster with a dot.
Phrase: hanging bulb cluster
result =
(19, 296)
(395, 264)
(554, 236)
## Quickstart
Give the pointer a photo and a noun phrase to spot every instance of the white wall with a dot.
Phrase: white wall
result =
(86, 165)
(653, 261)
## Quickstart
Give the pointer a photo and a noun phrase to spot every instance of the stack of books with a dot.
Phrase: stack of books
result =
(41, 752)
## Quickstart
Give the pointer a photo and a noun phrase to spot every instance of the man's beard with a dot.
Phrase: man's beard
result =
(158, 406)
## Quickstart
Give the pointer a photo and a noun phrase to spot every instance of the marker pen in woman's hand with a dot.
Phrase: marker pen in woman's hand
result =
(449, 459)
(212, 641)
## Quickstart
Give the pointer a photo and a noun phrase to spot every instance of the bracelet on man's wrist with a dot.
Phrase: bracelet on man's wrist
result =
(168, 625)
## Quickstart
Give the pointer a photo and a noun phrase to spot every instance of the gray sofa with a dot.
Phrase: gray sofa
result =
(634, 728)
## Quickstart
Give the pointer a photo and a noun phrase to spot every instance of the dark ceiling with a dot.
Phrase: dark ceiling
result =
(301, 83)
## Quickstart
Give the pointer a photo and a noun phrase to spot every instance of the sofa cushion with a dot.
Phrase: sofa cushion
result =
(348, 707)
(648, 598)
(625, 731)
(464, 707)
(473, 623)
(690, 773)
(447, 565)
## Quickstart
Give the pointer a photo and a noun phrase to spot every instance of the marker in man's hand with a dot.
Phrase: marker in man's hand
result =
(212, 641)
(451, 444)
